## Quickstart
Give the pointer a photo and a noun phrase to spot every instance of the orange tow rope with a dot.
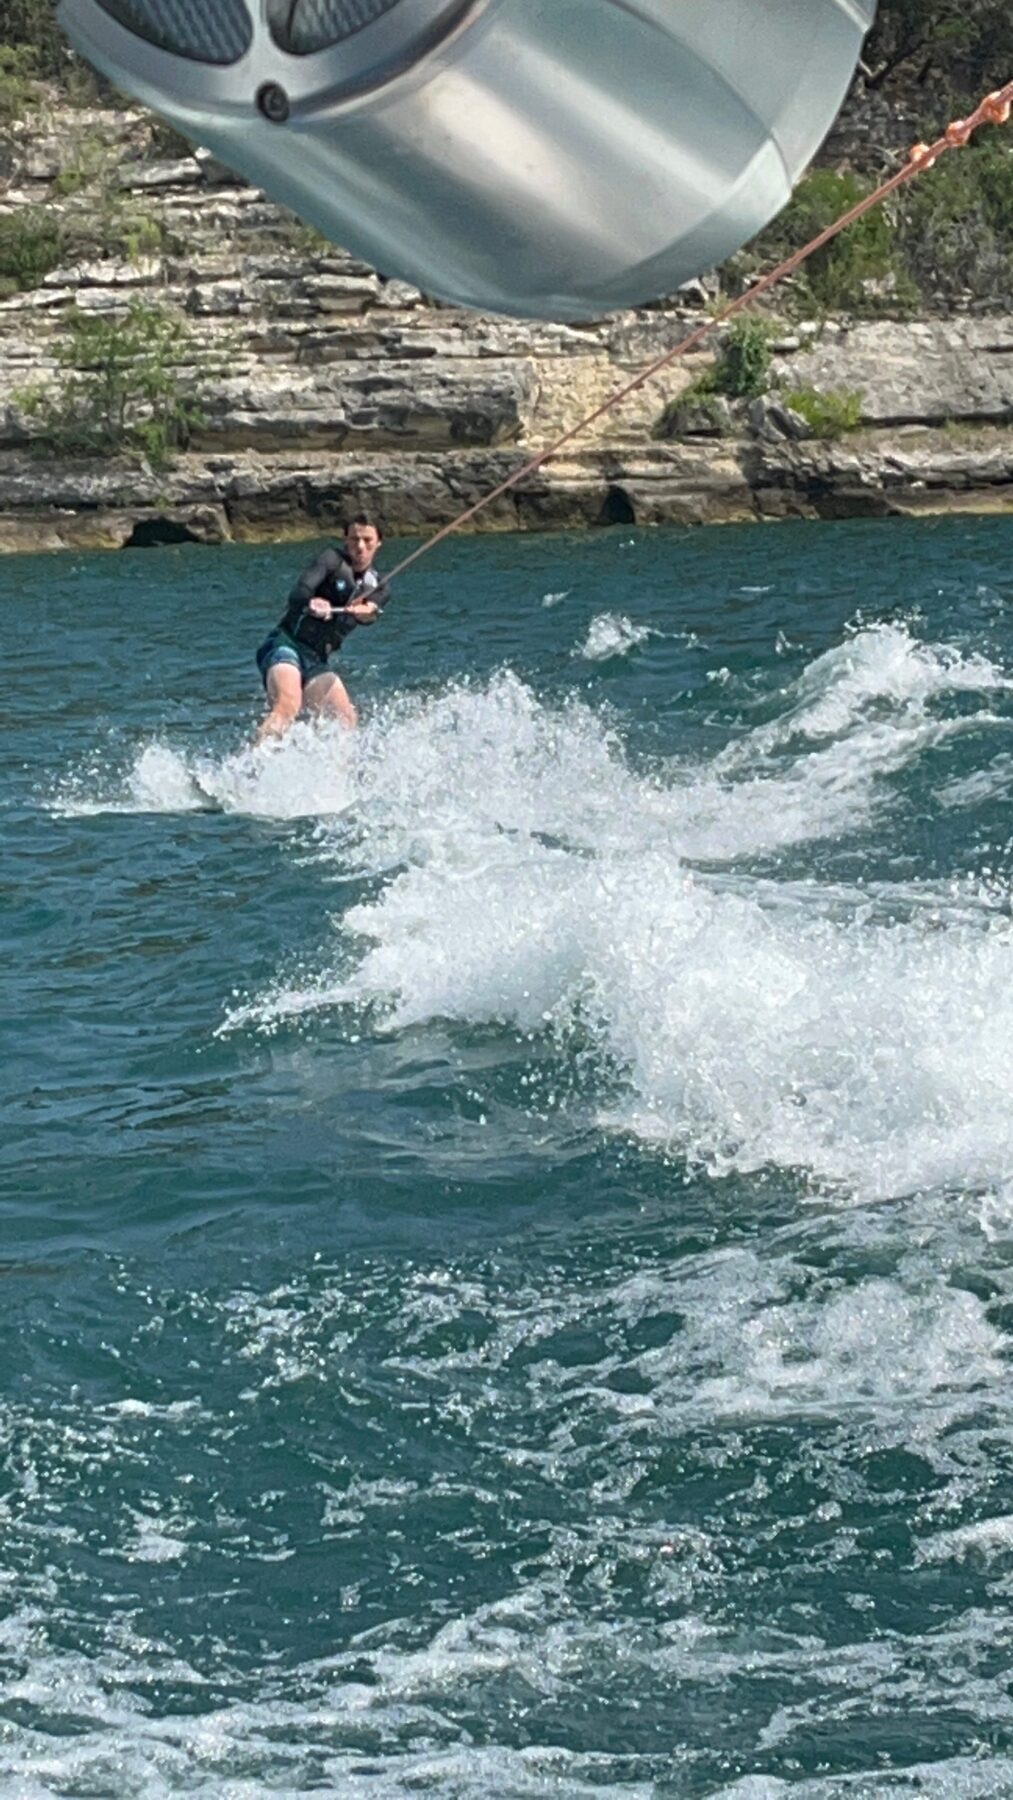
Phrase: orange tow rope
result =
(994, 110)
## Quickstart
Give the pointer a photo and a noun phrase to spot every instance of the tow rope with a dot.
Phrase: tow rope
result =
(994, 110)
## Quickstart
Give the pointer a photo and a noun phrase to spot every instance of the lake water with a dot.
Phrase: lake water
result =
(506, 1238)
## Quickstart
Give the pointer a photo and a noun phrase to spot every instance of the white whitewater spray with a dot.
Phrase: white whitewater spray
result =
(308, 773)
(613, 634)
(531, 876)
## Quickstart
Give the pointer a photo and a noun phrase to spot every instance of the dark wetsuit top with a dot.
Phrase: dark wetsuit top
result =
(332, 578)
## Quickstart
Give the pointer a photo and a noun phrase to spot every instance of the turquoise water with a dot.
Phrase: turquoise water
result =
(507, 1225)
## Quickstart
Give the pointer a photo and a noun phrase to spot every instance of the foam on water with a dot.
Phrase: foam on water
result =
(882, 670)
(547, 1420)
(995, 782)
(991, 1540)
(640, 1612)
(613, 634)
(961, 1778)
(530, 874)
(311, 772)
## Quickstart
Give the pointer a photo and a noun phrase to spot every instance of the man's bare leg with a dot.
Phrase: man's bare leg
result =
(327, 694)
(285, 697)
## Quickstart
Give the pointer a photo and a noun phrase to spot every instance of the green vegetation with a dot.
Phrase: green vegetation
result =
(33, 52)
(128, 384)
(946, 235)
(742, 373)
(88, 216)
(93, 164)
(142, 235)
(111, 225)
(106, 220)
(17, 86)
(31, 244)
(742, 370)
(954, 225)
(854, 273)
(30, 25)
(828, 413)
(35, 239)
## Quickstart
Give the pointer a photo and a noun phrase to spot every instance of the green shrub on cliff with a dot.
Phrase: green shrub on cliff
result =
(828, 412)
(30, 25)
(946, 236)
(97, 217)
(858, 271)
(741, 371)
(743, 365)
(31, 243)
(17, 88)
(126, 383)
(110, 225)
(955, 223)
(30, 28)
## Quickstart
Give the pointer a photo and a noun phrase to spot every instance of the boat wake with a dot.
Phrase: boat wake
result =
(525, 874)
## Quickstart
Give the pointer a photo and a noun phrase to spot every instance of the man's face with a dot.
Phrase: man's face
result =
(361, 543)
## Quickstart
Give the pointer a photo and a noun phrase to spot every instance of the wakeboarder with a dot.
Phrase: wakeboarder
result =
(337, 592)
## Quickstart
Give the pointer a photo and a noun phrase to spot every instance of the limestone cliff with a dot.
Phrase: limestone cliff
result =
(325, 385)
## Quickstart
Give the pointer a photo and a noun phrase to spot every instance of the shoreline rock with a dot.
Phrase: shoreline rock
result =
(250, 497)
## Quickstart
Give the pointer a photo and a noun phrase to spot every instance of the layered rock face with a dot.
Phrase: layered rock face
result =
(325, 387)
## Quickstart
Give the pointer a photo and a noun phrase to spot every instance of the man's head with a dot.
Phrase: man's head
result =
(363, 537)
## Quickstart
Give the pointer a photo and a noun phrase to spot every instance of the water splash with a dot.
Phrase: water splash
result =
(310, 772)
(532, 877)
(613, 634)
